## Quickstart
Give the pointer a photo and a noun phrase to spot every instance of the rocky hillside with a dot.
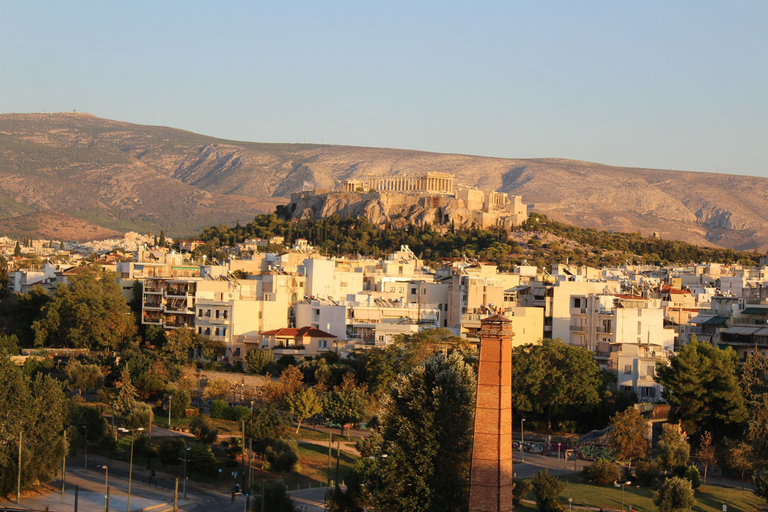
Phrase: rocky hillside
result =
(123, 176)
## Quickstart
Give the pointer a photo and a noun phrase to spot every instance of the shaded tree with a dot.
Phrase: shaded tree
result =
(257, 361)
(706, 452)
(700, 382)
(552, 376)
(87, 312)
(426, 427)
(674, 447)
(629, 437)
(547, 489)
(675, 494)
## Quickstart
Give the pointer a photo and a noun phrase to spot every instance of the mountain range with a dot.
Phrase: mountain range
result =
(77, 176)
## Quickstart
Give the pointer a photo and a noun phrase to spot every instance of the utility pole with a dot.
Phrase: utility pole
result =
(18, 481)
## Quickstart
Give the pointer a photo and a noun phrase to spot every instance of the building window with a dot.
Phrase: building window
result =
(639, 327)
(226, 314)
(577, 303)
(650, 371)
(627, 369)
(217, 313)
(199, 313)
(413, 290)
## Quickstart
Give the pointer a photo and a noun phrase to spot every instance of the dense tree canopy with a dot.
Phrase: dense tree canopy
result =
(37, 409)
(87, 312)
(427, 426)
(701, 383)
(552, 376)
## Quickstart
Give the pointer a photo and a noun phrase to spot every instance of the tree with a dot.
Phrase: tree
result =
(760, 480)
(701, 384)
(126, 396)
(346, 403)
(171, 451)
(427, 430)
(754, 383)
(265, 425)
(33, 410)
(203, 430)
(87, 312)
(674, 494)
(674, 447)
(554, 375)
(17, 250)
(706, 452)
(739, 457)
(5, 283)
(629, 437)
(304, 404)
(83, 376)
(257, 361)
(275, 497)
(547, 489)
(288, 384)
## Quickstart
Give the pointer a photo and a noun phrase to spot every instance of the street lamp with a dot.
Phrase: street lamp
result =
(130, 466)
(106, 486)
(622, 484)
(86, 447)
(522, 437)
(186, 450)
(570, 501)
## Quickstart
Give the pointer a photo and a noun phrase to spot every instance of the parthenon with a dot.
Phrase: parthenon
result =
(429, 183)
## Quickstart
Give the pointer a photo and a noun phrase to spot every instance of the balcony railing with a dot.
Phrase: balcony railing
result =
(578, 328)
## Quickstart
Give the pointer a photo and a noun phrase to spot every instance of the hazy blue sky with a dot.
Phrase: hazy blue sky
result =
(667, 84)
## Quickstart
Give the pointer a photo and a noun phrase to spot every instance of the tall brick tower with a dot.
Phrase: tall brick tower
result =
(491, 477)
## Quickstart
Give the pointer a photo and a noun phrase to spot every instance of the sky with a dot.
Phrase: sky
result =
(661, 84)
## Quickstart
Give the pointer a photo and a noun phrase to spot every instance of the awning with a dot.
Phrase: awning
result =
(367, 314)
(716, 320)
(518, 288)
(742, 331)
(755, 311)
(700, 319)
(761, 332)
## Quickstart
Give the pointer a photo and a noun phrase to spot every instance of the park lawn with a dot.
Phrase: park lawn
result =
(316, 435)
(314, 466)
(708, 498)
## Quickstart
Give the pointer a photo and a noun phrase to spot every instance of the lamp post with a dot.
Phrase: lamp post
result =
(570, 501)
(130, 466)
(86, 447)
(186, 450)
(522, 437)
(106, 486)
(622, 484)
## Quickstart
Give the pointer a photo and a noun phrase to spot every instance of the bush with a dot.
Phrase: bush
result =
(276, 498)
(282, 455)
(204, 432)
(219, 408)
(674, 494)
(692, 475)
(237, 413)
(647, 472)
(602, 472)
(521, 490)
(547, 489)
(171, 451)
(761, 484)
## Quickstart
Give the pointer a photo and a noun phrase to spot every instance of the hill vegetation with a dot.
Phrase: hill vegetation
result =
(540, 241)
(122, 176)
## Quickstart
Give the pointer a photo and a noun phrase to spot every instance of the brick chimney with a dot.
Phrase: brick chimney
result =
(491, 475)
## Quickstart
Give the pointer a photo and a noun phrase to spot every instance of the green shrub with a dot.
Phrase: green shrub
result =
(219, 408)
(237, 413)
(521, 490)
(282, 455)
(547, 489)
(675, 494)
(647, 472)
(204, 432)
(602, 472)
(692, 475)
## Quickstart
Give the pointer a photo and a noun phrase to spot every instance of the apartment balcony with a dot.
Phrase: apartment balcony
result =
(578, 328)
(289, 350)
(603, 330)
(177, 321)
(155, 306)
(152, 318)
(154, 290)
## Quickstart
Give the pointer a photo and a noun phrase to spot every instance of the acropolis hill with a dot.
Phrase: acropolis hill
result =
(113, 176)
(415, 198)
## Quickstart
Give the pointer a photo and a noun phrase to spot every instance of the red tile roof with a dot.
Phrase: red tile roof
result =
(303, 332)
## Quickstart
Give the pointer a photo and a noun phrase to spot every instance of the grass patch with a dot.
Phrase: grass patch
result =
(316, 435)
(708, 498)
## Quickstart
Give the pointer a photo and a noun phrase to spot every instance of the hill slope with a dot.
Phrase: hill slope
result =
(123, 176)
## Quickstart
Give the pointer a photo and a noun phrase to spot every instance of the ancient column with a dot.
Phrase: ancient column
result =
(491, 475)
